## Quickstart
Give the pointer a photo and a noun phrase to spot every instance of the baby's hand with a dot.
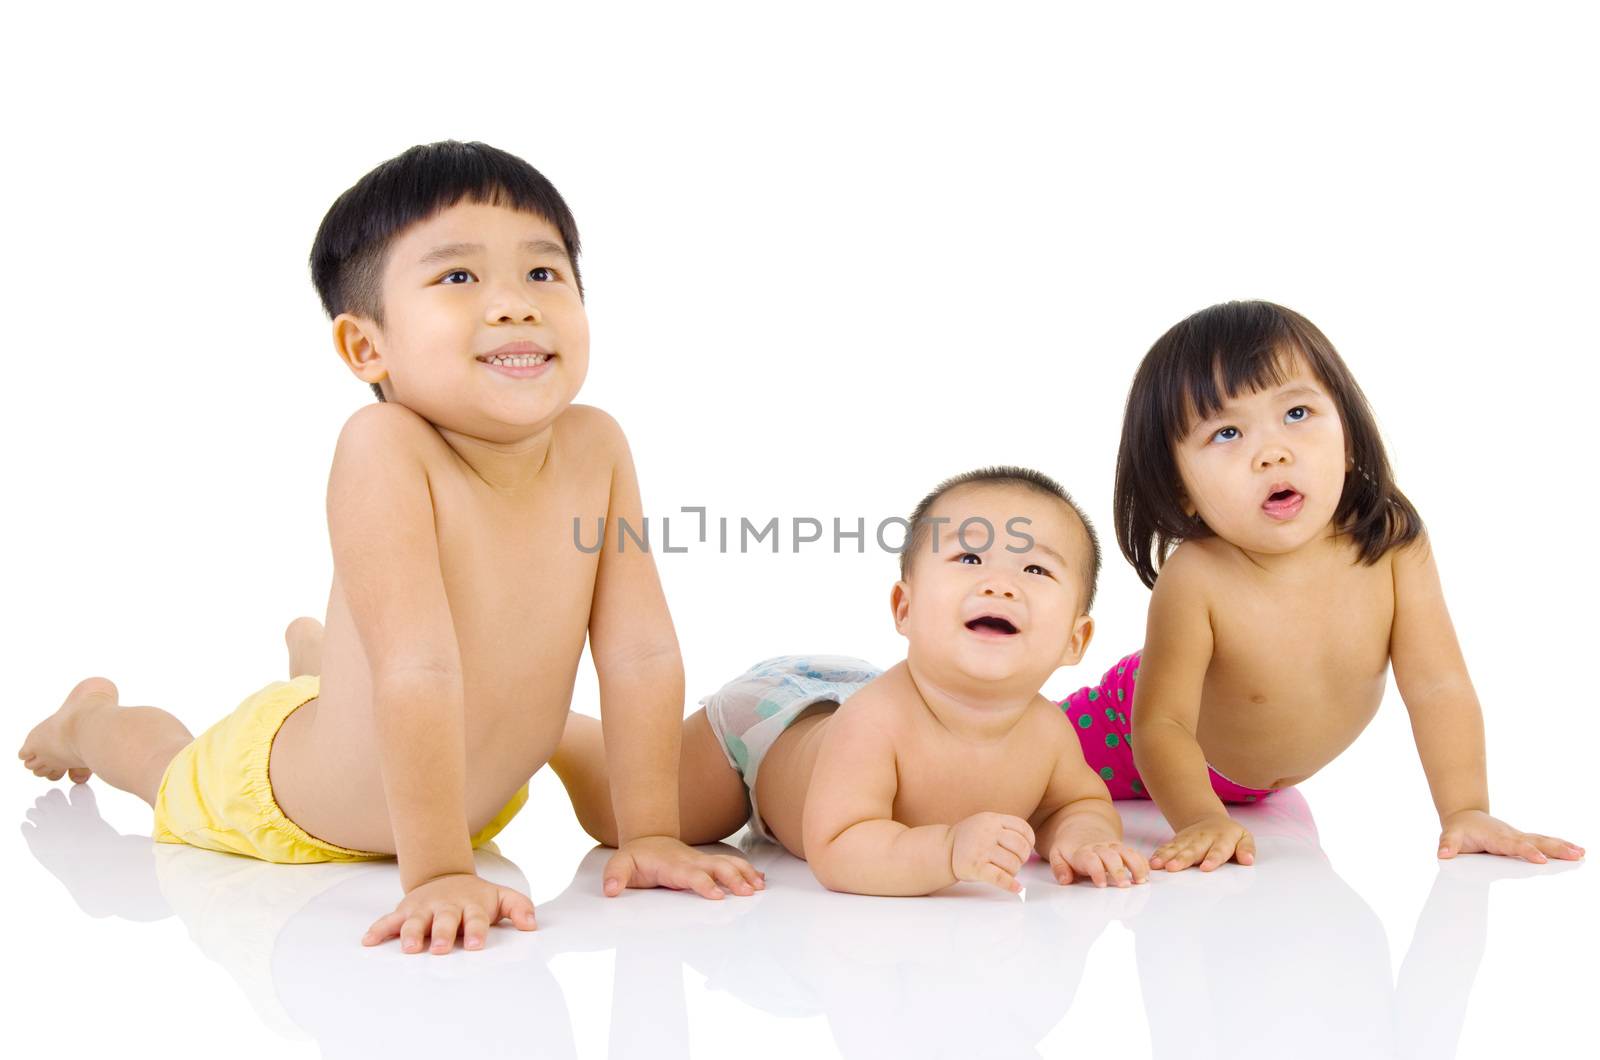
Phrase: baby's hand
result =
(1100, 862)
(991, 848)
(662, 861)
(1471, 831)
(1211, 841)
(439, 908)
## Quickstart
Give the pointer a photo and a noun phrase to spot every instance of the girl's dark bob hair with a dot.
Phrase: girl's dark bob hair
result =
(1187, 376)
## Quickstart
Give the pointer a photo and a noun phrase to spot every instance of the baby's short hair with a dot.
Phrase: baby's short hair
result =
(1005, 475)
(352, 243)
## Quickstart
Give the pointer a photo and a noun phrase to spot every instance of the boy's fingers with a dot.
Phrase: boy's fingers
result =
(730, 877)
(1095, 868)
(1558, 848)
(1116, 872)
(446, 923)
(411, 933)
(1006, 860)
(383, 929)
(474, 929)
(518, 907)
(1061, 867)
(994, 874)
(1450, 844)
(1136, 864)
(700, 882)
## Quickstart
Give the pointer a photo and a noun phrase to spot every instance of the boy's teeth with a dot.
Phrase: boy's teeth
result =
(521, 360)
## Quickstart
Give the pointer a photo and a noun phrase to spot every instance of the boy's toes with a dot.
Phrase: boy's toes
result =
(79, 776)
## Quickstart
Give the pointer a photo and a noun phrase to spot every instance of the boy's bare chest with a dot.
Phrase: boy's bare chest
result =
(519, 587)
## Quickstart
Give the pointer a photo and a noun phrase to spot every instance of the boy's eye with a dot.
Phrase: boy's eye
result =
(457, 276)
(968, 556)
(542, 274)
(1034, 568)
(1296, 414)
(1226, 434)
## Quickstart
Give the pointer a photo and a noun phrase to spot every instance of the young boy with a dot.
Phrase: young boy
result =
(460, 599)
(950, 766)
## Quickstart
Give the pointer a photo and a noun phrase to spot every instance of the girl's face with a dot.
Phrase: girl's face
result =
(1266, 472)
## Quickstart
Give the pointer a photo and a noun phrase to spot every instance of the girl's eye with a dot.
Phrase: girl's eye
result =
(1034, 568)
(1296, 414)
(965, 556)
(456, 276)
(1226, 434)
(542, 274)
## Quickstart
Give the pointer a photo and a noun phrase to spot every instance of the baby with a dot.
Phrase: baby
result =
(949, 766)
(460, 600)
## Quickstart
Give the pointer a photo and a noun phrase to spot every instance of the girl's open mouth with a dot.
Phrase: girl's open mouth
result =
(1283, 504)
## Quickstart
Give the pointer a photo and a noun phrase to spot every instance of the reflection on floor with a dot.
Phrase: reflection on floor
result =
(1287, 949)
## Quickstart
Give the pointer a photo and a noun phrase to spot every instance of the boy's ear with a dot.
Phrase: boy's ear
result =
(353, 338)
(1078, 643)
(900, 604)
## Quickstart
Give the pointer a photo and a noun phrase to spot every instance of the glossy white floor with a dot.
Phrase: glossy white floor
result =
(1343, 941)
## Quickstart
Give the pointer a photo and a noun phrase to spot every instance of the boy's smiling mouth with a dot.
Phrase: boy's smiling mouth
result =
(519, 360)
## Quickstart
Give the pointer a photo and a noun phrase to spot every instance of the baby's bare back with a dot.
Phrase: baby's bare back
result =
(519, 592)
(1298, 663)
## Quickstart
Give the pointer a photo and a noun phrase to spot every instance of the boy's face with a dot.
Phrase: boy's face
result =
(1266, 472)
(484, 332)
(990, 613)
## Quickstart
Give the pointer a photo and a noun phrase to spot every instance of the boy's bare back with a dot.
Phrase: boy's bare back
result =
(517, 590)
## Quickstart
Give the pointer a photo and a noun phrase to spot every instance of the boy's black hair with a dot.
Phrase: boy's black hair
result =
(1004, 475)
(352, 244)
(1190, 371)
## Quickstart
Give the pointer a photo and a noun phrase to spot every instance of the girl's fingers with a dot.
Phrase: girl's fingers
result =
(1245, 851)
(1450, 844)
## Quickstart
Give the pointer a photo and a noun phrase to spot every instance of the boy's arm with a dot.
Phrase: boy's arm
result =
(853, 843)
(1172, 670)
(1078, 829)
(1446, 720)
(380, 520)
(640, 672)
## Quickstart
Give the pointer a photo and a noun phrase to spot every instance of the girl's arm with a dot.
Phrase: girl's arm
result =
(853, 843)
(1446, 720)
(1172, 671)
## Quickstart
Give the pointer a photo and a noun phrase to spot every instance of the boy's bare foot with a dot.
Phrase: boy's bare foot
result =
(48, 750)
(304, 639)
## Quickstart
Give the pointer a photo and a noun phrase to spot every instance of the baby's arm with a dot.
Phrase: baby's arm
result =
(1079, 831)
(640, 671)
(854, 844)
(1446, 719)
(1172, 671)
(386, 553)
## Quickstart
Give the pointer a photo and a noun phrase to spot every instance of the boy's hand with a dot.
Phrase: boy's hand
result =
(991, 848)
(1210, 841)
(1471, 831)
(439, 908)
(1101, 862)
(662, 861)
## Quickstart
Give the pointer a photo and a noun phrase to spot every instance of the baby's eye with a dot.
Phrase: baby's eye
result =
(1296, 414)
(457, 276)
(542, 274)
(965, 556)
(1034, 568)
(1226, 434)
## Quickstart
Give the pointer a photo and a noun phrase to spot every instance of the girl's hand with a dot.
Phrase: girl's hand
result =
(1471, 831)
(1211, 841)
(1100, 862)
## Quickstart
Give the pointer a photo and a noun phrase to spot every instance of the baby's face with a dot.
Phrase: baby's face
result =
(484, 332)
(1004, 609)
(1266, 472)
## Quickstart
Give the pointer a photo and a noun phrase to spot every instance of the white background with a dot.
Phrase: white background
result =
(833, 254)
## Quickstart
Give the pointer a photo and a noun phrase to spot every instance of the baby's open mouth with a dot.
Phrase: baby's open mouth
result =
(1283, 503)
(992, 624)
(521, 360)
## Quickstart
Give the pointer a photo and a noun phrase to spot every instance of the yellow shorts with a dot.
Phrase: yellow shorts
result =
(215, 793)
